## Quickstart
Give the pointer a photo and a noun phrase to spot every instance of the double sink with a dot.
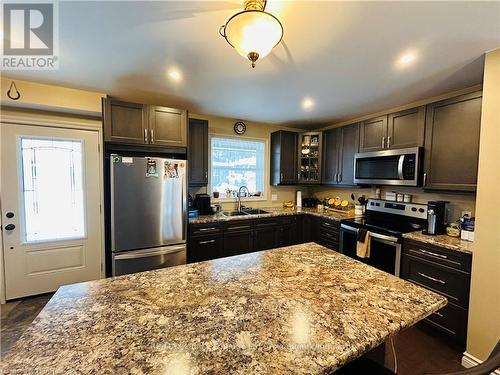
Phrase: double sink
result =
(256, 211)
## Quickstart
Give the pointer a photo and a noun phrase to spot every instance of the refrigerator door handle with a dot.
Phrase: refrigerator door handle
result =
(145, 254)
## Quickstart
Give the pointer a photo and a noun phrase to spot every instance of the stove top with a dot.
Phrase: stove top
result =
(391, 217)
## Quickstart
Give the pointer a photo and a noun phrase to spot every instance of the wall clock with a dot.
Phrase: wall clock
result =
(240, 128)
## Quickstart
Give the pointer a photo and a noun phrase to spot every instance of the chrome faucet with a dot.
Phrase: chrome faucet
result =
(239, 196)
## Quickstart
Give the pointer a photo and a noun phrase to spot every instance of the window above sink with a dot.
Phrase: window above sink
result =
(236, 162)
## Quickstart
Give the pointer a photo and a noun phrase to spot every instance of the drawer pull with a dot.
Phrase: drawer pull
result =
(205, 229)
(205, 242)
(433, 254)
(439, 314)
(240, 227)
(432, 278)
(327, 224)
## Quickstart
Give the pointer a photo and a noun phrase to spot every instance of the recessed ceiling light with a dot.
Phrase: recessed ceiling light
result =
(307, 104)
(175, 75)
(406, 59)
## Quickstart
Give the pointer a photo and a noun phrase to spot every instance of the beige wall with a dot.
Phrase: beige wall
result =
(53, 98)
(224, 126)
(484, 313)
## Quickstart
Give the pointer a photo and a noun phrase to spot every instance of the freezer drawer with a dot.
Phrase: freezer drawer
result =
(148, 259)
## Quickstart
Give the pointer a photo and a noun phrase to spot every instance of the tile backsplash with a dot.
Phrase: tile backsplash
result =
(458, 201)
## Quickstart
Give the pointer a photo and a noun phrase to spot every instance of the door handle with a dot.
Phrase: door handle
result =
(389, 142)
(340, 177)
(425, 179)
(281, 176)
(383, 142)
(152, 135)
(145, 135)
(10, 227)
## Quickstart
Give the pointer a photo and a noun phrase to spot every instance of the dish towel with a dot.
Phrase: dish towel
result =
(363, 243)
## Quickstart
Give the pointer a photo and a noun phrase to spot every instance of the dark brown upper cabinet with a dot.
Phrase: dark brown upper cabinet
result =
(397, 130)
(198, 152)
(124, 122)
(133, 123)
(309, 158)
(406, 128)
(339, 147)
(284, 157)
(452, 143)
(167, 126)
(373, 133)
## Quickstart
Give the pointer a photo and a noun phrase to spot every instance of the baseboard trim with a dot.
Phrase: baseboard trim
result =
(469, 360)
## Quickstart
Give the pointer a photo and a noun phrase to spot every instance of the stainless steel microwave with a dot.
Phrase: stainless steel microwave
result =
(388, 167)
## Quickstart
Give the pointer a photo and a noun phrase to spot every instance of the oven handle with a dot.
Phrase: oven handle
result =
(400, 167)
(377, 236)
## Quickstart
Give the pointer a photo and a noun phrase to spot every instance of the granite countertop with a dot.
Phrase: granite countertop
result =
(442, 240)
(301, 309)
(273, 212)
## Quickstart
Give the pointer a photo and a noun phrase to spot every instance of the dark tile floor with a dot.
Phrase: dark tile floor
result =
(419, 349)
(16, 316)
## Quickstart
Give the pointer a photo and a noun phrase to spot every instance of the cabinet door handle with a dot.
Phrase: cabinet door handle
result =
(425, 179)
(432, 278)
(438, 314)
(152, 136)
(336, 178)
(205, 242)
(383, 142)
(340, 177)
(281, 176)
(389, 142)
(205, 229)
(145, 135)
(433, 254)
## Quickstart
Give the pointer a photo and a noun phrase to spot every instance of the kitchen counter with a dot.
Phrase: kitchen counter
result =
(442, 240)
(298, 309)
(273, 212)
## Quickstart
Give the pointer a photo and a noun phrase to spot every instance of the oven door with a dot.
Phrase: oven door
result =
(389, 167)
(385, 251)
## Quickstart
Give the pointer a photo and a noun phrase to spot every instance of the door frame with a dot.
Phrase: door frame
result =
(59, 124)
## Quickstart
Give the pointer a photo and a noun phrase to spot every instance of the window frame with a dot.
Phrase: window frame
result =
(222, 199)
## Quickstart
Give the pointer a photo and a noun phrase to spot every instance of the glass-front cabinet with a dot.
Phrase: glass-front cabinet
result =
(310, 158)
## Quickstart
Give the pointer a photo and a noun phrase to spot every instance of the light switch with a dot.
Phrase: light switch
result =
(274, 197)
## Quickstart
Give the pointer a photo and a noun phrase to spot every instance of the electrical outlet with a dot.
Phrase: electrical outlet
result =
(468, 213)
(274, 197)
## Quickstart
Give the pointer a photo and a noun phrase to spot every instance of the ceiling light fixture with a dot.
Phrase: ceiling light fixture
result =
(253, 32)
(406, 59)
(175, 75)
(308, 104)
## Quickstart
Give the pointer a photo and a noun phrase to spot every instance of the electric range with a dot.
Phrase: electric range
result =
(386, 221)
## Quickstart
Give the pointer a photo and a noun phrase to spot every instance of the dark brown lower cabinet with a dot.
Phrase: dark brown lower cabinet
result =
(236, 243)
(446, 272)
(205, 248)
(214, 240)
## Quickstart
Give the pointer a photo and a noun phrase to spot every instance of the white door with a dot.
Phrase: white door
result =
(51, 223)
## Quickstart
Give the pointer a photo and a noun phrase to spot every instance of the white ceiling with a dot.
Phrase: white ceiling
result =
(341, 54)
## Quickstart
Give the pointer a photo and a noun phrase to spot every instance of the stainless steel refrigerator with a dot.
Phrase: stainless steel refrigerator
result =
(148, 213)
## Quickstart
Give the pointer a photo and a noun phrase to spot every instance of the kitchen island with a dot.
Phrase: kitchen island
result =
(300, 309)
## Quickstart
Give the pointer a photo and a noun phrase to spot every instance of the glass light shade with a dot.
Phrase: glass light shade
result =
(253, 31)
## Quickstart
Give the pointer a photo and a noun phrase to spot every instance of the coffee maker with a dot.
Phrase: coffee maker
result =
(436, 217)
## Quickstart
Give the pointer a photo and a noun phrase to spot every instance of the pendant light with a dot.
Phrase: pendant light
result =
(253, 32)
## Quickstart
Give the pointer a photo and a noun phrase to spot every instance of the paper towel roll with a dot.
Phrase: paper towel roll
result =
(299, 198)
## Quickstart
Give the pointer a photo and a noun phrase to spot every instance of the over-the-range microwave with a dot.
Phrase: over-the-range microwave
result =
(388, 167)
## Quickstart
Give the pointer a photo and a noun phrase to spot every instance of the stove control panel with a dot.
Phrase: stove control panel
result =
(415, 210)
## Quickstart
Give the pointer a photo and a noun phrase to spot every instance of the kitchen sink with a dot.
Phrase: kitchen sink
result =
(256, 211)
(233, 213)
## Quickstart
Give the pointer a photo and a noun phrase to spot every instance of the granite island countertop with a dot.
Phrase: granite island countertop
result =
(301, 309)
(272, 212)
(441, 240)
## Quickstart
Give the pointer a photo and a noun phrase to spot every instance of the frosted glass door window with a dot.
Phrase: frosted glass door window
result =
(52, 189)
